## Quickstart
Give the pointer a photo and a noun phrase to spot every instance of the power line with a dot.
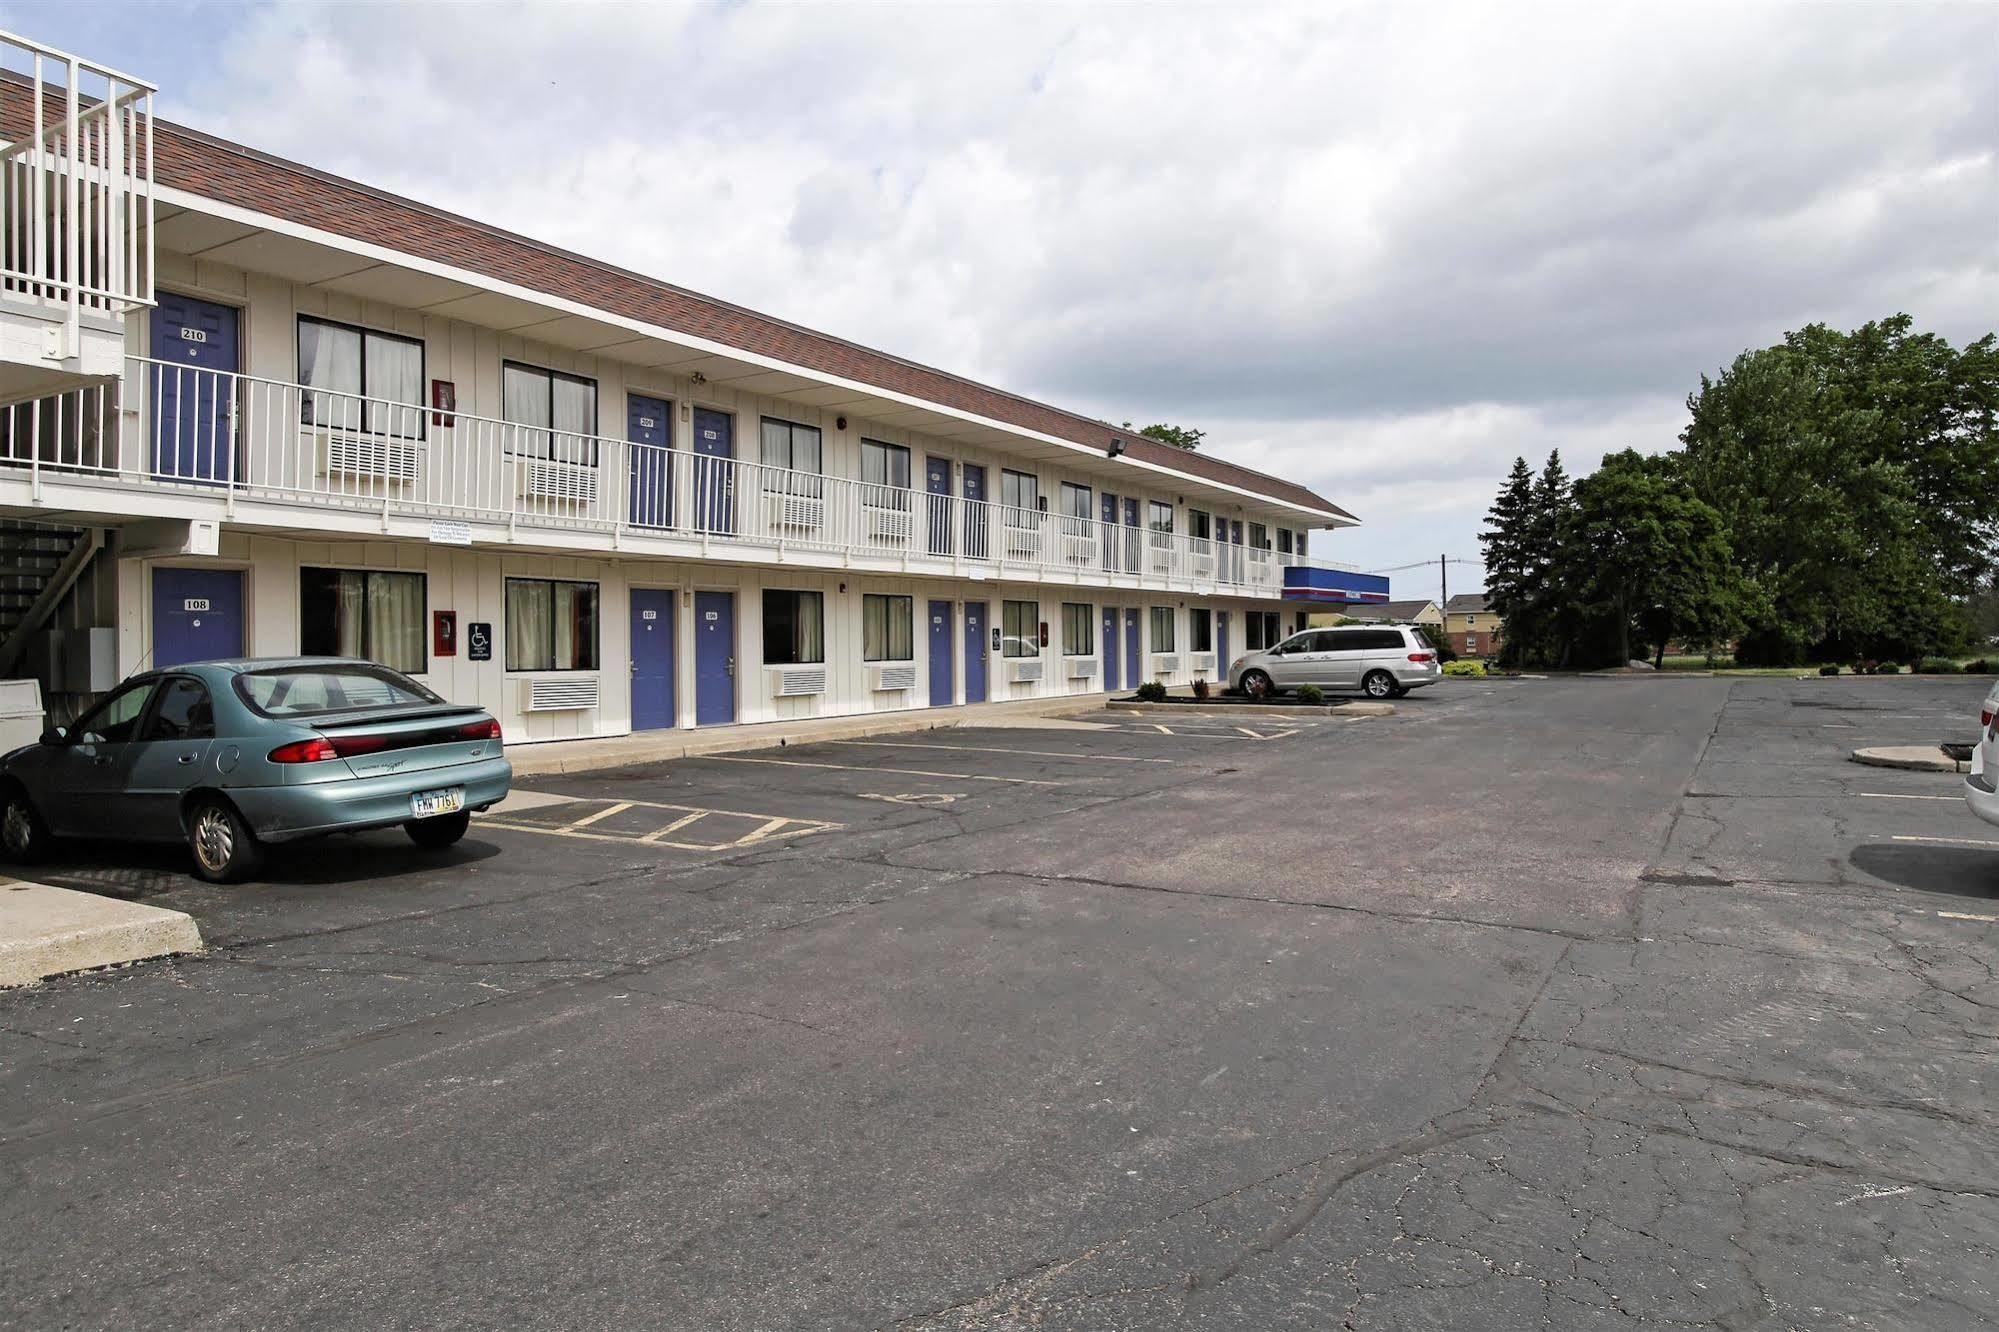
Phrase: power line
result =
(1423, 564)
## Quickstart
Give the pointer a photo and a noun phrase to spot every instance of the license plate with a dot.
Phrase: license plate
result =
(429, 804)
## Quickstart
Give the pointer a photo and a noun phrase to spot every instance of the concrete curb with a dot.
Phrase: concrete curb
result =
(1250, 712)
(1909, 758)
(553, 757)
(48, 931)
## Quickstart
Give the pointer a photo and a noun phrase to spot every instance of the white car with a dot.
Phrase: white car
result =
(1979, 790)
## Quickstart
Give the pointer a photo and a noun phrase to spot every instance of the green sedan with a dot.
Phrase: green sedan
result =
(232, 756)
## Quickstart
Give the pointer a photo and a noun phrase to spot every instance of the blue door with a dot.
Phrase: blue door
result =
(649, 427)
(197, 615)
(714, 658)
(975, 650)
(1111, 675)
(942, 686)
(937, 480)
(715, 474)
(1222, 645)
(1108, 536)
(1136, 668)
(652, 659)
(192, 393)
(976, 544)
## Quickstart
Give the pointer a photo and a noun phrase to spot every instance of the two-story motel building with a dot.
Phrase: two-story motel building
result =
(250, 408)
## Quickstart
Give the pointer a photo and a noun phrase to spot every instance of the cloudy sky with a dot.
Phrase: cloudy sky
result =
(1381, 248)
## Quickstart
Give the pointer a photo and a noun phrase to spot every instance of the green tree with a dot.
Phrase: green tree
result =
(1858, 478)
(1510, 561)
(1180, 437)
(1648, 561)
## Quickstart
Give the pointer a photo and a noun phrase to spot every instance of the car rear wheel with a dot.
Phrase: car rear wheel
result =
(1257, 685)
(1378, 684)
(225, 850)
(24, 838)
(438, 833)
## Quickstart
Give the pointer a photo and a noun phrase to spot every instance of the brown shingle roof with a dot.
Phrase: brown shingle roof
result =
(216, 169)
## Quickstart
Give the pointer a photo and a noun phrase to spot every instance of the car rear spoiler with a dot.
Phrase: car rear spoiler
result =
(341, 721)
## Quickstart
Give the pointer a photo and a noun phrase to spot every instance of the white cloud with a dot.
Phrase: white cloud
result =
(1379, 248)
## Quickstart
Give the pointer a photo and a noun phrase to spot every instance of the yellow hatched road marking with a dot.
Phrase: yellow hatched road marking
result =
(1000, 749)
(869, 767)
(675, 826)
(603, 813)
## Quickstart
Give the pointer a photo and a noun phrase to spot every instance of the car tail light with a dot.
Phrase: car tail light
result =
(480, 730)
(1422, 656)
(316, 750)
(1985, 716)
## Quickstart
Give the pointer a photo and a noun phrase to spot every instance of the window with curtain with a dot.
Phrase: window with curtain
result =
(364, 613)
(1198, 525)
(358, 379)
(1020, 490)
(884, 475)
(558, 410)
(886, 628)
(1283, 541)
(794, 628)
(1020, 629)
(1079, 630)
(1200, 631)
(1162, 628)
(551, 625)
(797, 450)
(1159, 517)
(1259, 537)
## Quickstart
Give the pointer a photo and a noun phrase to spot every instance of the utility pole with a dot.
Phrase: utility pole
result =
(1443, 585)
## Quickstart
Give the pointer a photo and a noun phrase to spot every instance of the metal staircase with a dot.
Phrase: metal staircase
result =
(39, 563)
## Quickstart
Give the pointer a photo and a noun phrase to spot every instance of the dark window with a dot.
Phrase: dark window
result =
(1283, 541)
(1259, 539)
(1159, 517)
(1198, 526)
(113, 720)
(1079, 632)
(1253, 631)
(1020, 490)
(340, 364)
(1365, 640)
(559, 412)
(884, 475)
(885, 628)
(1200, 631)
(551, 625)
(183, 712)
(794, 628)
(363, 613)
(1020, 634)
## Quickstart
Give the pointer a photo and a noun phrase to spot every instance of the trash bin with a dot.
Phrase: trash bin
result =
(20, 713)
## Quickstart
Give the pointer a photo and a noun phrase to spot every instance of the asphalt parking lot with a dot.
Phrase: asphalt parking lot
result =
(1563, 1004)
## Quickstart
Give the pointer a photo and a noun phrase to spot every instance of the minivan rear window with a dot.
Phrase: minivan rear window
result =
(318, 691)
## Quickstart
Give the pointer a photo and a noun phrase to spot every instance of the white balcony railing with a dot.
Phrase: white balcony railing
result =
(76, 184)
(247, 439)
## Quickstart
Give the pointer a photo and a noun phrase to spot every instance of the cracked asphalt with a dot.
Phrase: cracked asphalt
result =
(1565, 1004)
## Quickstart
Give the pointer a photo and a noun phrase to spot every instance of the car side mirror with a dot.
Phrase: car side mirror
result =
(55, 735)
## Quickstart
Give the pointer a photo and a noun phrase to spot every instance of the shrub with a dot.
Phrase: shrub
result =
(1472, 669)
(1311, 694)
(1978, 667)
(1866, 666)
(1938, 666)
(1828, 669)
(1201, 689)
(1152, 692)
(1887, 668)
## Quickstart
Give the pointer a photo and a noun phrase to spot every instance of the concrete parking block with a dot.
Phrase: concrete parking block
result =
(47, 931)
(1912, 758)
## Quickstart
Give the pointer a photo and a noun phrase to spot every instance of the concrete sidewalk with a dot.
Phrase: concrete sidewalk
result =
(47, 931)
(617, 751)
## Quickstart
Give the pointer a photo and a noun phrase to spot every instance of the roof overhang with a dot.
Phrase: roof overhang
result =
(202, 228)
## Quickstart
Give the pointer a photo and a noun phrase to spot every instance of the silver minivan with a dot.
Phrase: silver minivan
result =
(1380, 660)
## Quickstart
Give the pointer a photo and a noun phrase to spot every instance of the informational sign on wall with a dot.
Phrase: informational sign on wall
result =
(478, 641)
(444, 532)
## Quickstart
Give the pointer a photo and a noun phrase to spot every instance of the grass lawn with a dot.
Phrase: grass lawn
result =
(1725, 662)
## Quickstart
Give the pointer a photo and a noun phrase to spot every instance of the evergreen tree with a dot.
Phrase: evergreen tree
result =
(1508, 590)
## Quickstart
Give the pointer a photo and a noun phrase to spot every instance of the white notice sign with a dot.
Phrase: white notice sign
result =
(447, 533)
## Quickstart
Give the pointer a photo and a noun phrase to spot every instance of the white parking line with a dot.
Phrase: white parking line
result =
(999, 749)
(1896, 795)
(1965, 915)
(1948, 841)
(869, 767)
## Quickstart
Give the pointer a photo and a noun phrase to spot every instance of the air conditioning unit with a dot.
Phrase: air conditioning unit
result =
(1201, 663)
(890, 675)
(885, 524)
(1082, 668)
(1204, 564)
(573, 483)
(1023, 672)
(1165, 663)
(374, 457)
(797, 681)
(795, 511)
(1023, 540)
(560, 693)
(1079, 549)
(1161, 560)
